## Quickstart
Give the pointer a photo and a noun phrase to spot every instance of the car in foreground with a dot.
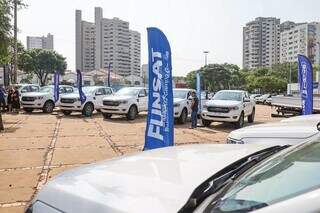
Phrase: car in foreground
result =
(192, 178)
(182, 104)
(229, 106)
(288, 131)
(44, 99)
(127, 101)
(94, 96)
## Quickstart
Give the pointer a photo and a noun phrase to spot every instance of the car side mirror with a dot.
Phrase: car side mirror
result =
(246, 100)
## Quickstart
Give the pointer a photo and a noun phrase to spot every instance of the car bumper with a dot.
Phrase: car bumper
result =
(121, 110)
(71, 107)
(177, 112)
(220, 117)
(32, 104)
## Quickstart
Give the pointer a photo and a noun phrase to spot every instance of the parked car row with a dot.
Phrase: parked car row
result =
(263, 169)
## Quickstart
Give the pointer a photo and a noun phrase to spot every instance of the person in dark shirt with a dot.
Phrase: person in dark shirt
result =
(9, 99)
(194, 108)
(16, 100)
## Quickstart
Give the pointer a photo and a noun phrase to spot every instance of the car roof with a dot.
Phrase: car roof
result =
(97, 87)
(183, 89)
(232, 91)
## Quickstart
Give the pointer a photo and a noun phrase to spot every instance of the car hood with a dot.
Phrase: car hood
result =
(276, 130)
(117, 98)
(71, 95)
(151, 181)
(178, 100)
(222, 103)
(35, 94)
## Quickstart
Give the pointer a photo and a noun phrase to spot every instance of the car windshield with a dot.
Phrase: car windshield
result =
(180, 94)
(280, 178)
(47, 89)
(88, 90)
(228, 95)
(128, 91)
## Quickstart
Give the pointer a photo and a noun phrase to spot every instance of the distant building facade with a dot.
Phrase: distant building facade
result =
(35, 42)
(107, 44)
(302, 39)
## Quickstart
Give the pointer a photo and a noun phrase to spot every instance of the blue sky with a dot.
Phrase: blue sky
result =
(190, 25)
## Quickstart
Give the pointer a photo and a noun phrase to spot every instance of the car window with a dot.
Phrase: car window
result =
(34, 89)
(61, 90)
(142, 93)
(108, 91)
(68, 90)
(25, 89)
(101, 91)
(280, 178)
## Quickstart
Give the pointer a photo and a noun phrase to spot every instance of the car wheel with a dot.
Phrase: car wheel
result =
(183, 117)
(66, 112)
(48, 107)
(106, 115)
(132, 113)
(206, 123)
(251, 117)
(87, 110)
(239, 124)
(28, 110)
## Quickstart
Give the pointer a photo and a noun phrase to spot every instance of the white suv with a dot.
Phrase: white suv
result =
(44, 99)
(127, 101)
(94, 94)
(229, 106)
(182, 104)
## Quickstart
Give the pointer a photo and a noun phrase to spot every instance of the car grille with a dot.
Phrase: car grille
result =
(218, 109)
(67, 100)
(111, 103)
(28, 98)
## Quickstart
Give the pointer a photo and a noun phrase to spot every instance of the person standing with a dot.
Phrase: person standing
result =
(16, 100)
(2, 99)
(9, 99)
(194, 108)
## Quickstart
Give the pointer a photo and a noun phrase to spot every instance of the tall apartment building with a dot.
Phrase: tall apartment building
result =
(261, 42)
(36, 42)
(107, 43)
(302, 39)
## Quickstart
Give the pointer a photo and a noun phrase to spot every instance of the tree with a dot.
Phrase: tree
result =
(42, 63)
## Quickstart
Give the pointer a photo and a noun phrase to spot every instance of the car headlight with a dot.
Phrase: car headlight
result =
(234, 141)
(124, 102)
(234, 108)
(176, 105)
(40, 97)
(78, 99)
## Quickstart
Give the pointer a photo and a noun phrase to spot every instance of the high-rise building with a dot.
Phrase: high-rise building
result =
(261, 42)
(36, 42)
(302, 39)
(108, 44)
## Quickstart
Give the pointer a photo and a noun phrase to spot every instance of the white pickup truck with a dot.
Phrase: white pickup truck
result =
(43, 99)
(182, 104)
(229, 106)
(127, 101)
(94, 96)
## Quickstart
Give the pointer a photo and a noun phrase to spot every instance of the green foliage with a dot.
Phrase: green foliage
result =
(41, 63)
(5, 30)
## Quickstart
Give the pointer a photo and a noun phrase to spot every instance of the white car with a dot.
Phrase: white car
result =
(288, 131)
(262, 99)
(94, 95)
(229, 106)
(193, 178)
(44, 99)
(182, 104)
(127, 101)
(24, 88)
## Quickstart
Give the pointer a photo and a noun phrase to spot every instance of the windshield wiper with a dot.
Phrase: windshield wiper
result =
(225, 176)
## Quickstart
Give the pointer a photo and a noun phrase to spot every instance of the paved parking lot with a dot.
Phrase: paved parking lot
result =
(35, 147)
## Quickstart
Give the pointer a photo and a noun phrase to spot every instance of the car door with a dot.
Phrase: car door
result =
(142, 100)
(247, 105)
(99, 94)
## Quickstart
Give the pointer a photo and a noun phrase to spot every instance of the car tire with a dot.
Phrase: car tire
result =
(66, 112)
(132, 113)
(28, 110)
(106, 115)
(239, 124)
(48, 107)
(183, 117)
(251, 117)
(206, 123)
(87, 110)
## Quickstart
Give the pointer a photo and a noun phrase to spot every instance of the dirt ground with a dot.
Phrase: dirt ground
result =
(35, 147)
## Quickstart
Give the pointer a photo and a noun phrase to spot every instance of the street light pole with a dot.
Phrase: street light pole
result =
(205, 57)
(15, 47)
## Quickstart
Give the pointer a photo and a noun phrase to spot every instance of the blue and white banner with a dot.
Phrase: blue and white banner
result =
(83, 97)
(306, 84)
(56, 81)
(159, 130)
(198, 89)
